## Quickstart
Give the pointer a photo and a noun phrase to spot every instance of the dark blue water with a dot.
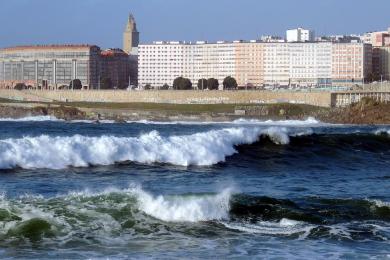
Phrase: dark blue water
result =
(297, 190)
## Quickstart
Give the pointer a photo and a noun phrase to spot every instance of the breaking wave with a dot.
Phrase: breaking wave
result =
(200, 149)
(308, 122)
(383, 131)
(186, 208)
(121, 215)
(283, 227)
(311, 121)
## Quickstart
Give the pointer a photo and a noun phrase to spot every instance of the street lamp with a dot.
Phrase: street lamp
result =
(381, 82)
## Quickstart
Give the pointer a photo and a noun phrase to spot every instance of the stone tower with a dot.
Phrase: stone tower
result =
(131, 36)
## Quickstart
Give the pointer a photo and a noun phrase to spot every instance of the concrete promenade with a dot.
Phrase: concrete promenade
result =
(322, 99)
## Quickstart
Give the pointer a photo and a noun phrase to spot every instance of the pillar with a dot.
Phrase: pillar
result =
(54, 76)
(36, 74)
(74, 69)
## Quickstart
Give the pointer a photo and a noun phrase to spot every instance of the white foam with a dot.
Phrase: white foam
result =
(283, 227)
(31, 119)
(175, 208)
(75, 212)
(201, 149)
(308, 122)
(382, 131)
(185, 208)
(25, 209)
(380, 203)
(93, 121)
(277, 135)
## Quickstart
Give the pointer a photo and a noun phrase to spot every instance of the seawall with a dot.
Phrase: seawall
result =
(322, 99)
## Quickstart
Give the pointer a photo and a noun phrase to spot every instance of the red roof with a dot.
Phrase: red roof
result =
(113, 52)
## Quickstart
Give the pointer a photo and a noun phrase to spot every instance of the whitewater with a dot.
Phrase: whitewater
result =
(246, 189)
(201, 149)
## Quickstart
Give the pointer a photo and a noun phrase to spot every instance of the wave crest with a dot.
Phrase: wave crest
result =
(186, 208)
(283, 227)
(122, 215)
(311, 121)
(200, 149)
(382, 131)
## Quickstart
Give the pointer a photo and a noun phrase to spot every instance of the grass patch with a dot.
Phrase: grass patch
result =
(156, 106)
(274, 109)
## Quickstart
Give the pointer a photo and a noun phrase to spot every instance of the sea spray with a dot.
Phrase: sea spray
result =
(103, 213)
(283, 227)
(383, 131)
(186, 208)
(200, 149)
(117, 216)
(239, 122)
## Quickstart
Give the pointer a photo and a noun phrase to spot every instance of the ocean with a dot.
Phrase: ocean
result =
(182, 190)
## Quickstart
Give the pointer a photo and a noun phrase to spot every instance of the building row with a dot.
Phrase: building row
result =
(256, 63)
(299, 60)
(55, 66)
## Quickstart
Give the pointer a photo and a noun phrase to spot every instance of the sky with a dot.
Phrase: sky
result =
(101, 22)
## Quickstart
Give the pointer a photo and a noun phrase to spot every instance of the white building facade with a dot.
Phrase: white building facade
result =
(162, 62)
(300, 35)
(295, 64)
(298, 64)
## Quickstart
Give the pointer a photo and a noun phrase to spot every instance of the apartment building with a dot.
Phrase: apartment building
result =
(160, 63)
(249, 63)
(256, 63)
(298, 64)
(381, 63)
(276, 64)
(215, 60)
(377, 39)
(300, 35)
(351, 63)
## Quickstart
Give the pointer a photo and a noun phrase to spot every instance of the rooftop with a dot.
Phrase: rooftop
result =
(49, 46)
(113, 52)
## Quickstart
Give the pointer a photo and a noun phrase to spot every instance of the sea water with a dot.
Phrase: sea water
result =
(163, 190)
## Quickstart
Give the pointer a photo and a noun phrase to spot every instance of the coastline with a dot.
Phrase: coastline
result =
(365, 112)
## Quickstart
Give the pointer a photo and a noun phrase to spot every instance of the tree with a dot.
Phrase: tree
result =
(105, 83)
(75, 84)
(250, 86)
(20, 86)
(165, 87)
(147, 87)
(123, 85)
(212, 84)
(229, 83)
(202, 84)
(373, 77)
(181, 83)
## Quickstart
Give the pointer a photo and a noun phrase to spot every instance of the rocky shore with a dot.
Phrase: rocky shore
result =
(367, 111)
(16, 111)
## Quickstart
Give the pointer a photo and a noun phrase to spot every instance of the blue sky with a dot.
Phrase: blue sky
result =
(101, 22)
